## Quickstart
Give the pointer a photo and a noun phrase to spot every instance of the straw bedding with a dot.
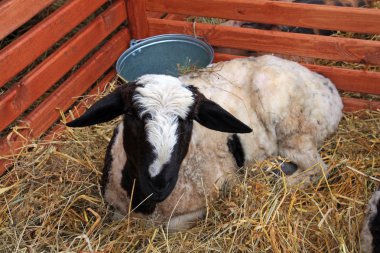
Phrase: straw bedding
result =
(51, 202)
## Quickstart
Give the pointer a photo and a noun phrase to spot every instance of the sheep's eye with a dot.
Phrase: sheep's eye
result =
(130, 114)
(148, 116)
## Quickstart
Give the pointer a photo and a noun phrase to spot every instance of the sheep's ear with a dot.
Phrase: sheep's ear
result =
(213, 116)
(106, 109)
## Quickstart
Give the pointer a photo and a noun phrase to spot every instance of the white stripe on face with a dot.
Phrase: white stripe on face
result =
(166, 99)
(162, 135)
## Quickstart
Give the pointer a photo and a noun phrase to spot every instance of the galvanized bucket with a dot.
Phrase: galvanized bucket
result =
(168, 54)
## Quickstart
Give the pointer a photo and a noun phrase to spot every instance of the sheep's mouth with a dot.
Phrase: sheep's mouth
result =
(161, 192)
(145, 201)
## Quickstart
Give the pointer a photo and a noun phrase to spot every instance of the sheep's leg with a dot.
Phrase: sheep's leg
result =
(301, 151)
(185, 221)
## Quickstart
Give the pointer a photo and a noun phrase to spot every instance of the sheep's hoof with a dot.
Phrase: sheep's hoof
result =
(288, 168)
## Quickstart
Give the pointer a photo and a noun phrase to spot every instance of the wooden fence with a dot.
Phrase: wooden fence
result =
(106, 36)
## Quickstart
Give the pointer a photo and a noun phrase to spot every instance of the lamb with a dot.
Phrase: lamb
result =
(176, 145)
(370, 235)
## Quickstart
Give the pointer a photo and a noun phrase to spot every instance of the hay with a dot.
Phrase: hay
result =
(186, 68)
(51, 201)
(213, 21)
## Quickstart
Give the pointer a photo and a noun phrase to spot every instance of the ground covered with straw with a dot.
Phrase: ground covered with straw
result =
(50, 201)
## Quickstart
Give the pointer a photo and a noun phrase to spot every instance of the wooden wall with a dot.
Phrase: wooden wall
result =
(98, 43)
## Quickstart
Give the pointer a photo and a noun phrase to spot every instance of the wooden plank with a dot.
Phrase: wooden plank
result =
(23, 51)
(179, 17)
(226, 57)
(14, 13)
(349, 79)
(331, 48)
(42, 117)
(354, 104)
(344, 79)
(39, 80)
(276, 12)
(137, 18)
(156, 14)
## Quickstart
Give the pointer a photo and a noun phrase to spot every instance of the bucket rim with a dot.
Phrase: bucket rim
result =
(170, 37)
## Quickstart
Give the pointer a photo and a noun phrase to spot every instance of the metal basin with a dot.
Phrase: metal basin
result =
(163, 54)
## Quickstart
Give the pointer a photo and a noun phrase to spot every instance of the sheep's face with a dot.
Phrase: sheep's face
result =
(158, 120)
(157, 133)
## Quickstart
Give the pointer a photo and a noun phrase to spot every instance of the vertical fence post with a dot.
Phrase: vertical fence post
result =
(137, 19)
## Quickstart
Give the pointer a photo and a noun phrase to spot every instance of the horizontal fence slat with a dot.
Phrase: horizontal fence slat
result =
(331, 48)
(39, 80)
(172, 16)
(24, 50)
(48, 112)
(14, 13)
(345, 82)
(276, 12)
(350, 80)
(155, 14)
(355, 104)
(344, 79)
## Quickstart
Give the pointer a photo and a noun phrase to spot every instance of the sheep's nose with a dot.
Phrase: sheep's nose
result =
(160, 183)
(162, 180)
(162, 187)
(160, 194)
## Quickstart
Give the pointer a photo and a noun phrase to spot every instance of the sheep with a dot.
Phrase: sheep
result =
(176, 146)
(370, 235)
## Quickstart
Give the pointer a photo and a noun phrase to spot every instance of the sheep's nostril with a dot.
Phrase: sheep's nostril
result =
(160, 183)
(163, 186)
(161, 189)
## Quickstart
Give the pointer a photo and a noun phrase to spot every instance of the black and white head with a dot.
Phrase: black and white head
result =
(158, 119)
